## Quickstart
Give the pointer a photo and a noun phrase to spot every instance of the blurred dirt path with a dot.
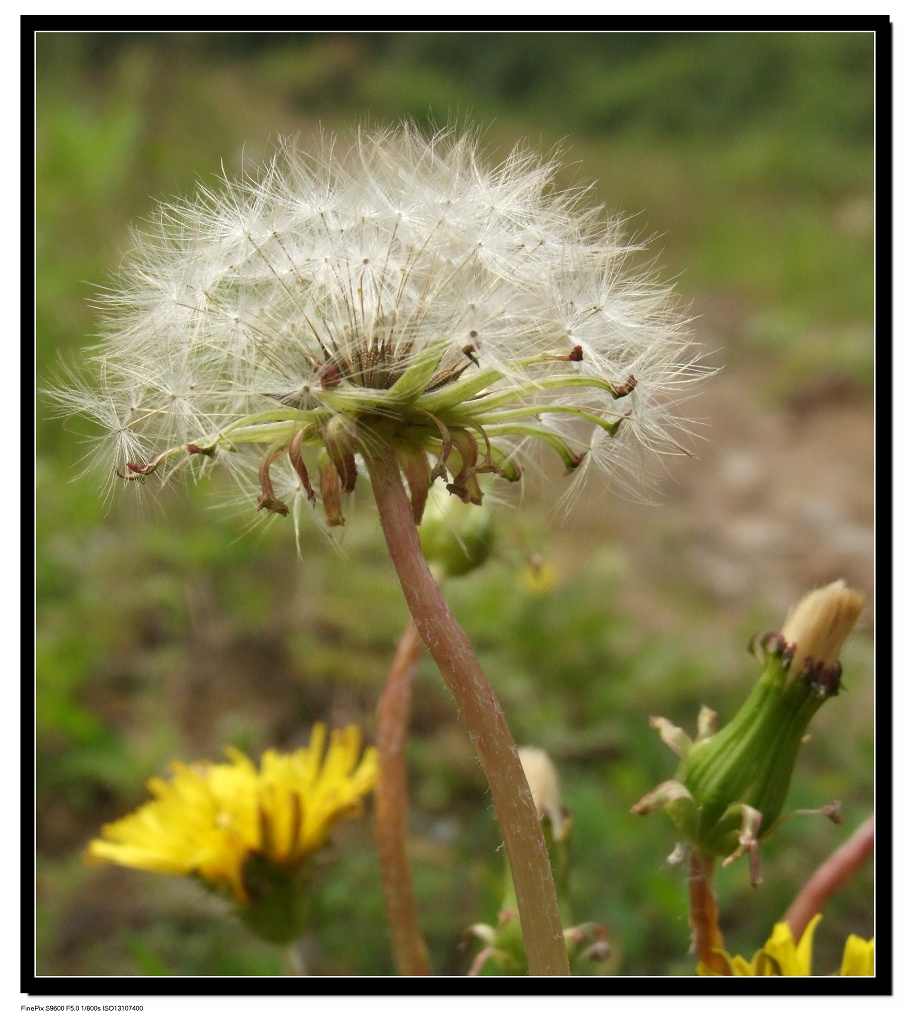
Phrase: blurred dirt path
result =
(779, 499)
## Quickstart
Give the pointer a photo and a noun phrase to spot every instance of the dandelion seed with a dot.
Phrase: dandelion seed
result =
(397, 294)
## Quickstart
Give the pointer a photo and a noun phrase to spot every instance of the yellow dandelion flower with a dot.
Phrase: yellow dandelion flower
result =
(782, 955)
(859, 957)
(218, 821)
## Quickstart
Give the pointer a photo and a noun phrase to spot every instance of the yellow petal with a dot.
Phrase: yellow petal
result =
(208, 819)
(859, 957)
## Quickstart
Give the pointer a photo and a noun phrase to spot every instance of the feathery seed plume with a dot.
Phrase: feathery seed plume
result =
(391, 292)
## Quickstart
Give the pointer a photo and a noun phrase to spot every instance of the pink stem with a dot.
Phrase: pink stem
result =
(391, 801)
(451, 650)
(831, 876)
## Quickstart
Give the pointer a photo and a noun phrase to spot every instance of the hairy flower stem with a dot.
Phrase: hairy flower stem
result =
(452, 652)
(391, 802)
(706, 936)
(830, 877)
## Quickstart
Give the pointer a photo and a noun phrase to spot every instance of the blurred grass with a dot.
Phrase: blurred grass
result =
(168, 630)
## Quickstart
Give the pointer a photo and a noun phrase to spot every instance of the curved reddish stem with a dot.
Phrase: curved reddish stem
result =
(831, 876)
(391, 802)
(451, 650)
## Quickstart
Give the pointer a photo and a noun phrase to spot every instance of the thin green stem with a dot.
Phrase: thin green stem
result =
(391, 802)
(452, 652)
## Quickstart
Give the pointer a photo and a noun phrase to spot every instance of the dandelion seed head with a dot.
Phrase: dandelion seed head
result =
(389, 291)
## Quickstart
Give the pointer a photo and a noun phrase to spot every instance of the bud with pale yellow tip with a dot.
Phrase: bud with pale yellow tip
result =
(730, 788)
(818, 626)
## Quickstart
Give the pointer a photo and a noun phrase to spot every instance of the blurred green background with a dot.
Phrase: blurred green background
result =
(172, 628)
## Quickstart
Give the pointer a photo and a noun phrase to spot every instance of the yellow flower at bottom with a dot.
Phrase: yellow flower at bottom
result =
(859, 957)
(216, 821)
(781, 955)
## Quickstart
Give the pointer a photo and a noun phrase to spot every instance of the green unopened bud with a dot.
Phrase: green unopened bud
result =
(731, 785)
(456, 537)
